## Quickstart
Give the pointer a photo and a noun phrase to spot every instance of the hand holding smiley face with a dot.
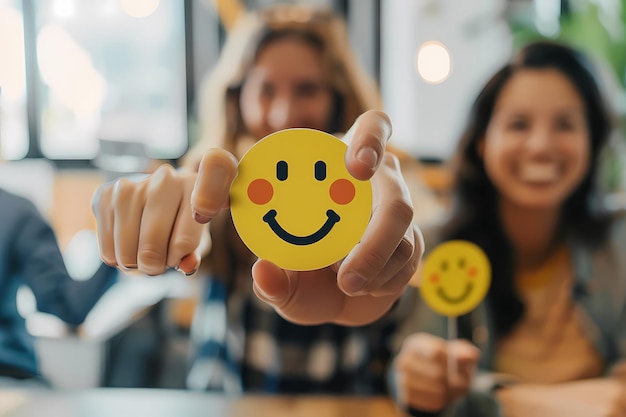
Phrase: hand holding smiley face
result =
(158, 223)
(456, 278)
(294, 202)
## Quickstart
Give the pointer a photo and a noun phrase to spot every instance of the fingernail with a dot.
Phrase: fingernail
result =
(368, 156)
(188, 265)
(185, 273)
(128, 267)
(200, 218)
(217, 181)
(352, 283)
(218, 176)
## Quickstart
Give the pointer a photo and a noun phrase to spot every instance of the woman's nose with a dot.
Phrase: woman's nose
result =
(540, 140)
(282, 114)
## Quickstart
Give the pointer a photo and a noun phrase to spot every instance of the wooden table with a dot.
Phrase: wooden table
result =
(108, 402)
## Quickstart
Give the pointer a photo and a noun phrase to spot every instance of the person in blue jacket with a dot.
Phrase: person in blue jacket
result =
(30, 255)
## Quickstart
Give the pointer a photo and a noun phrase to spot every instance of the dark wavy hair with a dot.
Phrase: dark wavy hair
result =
(475, 215)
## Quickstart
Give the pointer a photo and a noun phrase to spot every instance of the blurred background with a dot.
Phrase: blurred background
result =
(95, 89)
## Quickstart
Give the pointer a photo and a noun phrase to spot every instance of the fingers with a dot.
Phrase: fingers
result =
(103, 212)
(271, 283)
(423, 396)
(128, 204)
(216, 173)
(390, 241)
(309, 297)
(189, 264)
(466, 357)
(186, 236)
(393, 276)
(422, 370)
(164, 197)
(425, 379)
(147, 225)
(366, 140)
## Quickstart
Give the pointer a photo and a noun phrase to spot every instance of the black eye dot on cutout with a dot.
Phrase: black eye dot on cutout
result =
(320, 170)
(462, 263)
(281, 170)
(444, 266)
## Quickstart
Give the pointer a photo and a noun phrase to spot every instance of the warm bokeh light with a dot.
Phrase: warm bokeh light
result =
(229, 11)
(139, 8)
(433, 62)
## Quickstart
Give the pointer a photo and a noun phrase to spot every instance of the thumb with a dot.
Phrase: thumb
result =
(302, 297)
(366, 140)
(271, 283)
(465, 355)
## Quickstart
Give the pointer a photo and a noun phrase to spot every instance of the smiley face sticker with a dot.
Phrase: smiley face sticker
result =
(294, 202)
(456, 278)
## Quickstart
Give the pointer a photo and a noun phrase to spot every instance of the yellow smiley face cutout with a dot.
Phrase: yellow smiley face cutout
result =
(294, 202)
(456, 278)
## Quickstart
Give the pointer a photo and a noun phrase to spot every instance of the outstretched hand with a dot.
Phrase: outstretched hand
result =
(363, 286)
(156, 224)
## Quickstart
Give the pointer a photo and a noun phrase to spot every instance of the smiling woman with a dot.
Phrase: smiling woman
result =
(525, 193)
(281, 68)
(536, 148)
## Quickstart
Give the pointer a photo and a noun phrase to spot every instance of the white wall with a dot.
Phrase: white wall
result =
(428, 118)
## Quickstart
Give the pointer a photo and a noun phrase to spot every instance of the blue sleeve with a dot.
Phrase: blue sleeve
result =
(41, 266)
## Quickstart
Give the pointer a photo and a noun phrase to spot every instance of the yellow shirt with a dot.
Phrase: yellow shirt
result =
(548, 344)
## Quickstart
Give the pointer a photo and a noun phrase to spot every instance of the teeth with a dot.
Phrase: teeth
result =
(539, 172)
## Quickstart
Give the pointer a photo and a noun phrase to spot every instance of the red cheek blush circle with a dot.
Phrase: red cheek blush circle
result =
(260, 191)
(342, 191)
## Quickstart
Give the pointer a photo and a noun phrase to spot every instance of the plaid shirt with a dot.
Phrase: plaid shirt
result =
(242, 344)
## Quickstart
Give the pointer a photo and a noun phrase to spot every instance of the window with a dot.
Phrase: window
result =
(13, 116)
(114, 70)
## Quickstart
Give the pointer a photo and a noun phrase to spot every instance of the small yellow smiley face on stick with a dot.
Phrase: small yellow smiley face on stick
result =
(456, 278)
(294, 202)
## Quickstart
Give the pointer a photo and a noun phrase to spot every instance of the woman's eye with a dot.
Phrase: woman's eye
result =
(267, 91)
(566, 125)
(518, 125)
(307, 89)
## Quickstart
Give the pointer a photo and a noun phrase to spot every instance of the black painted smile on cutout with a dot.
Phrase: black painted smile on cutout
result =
(332, 219)
(455, 300)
